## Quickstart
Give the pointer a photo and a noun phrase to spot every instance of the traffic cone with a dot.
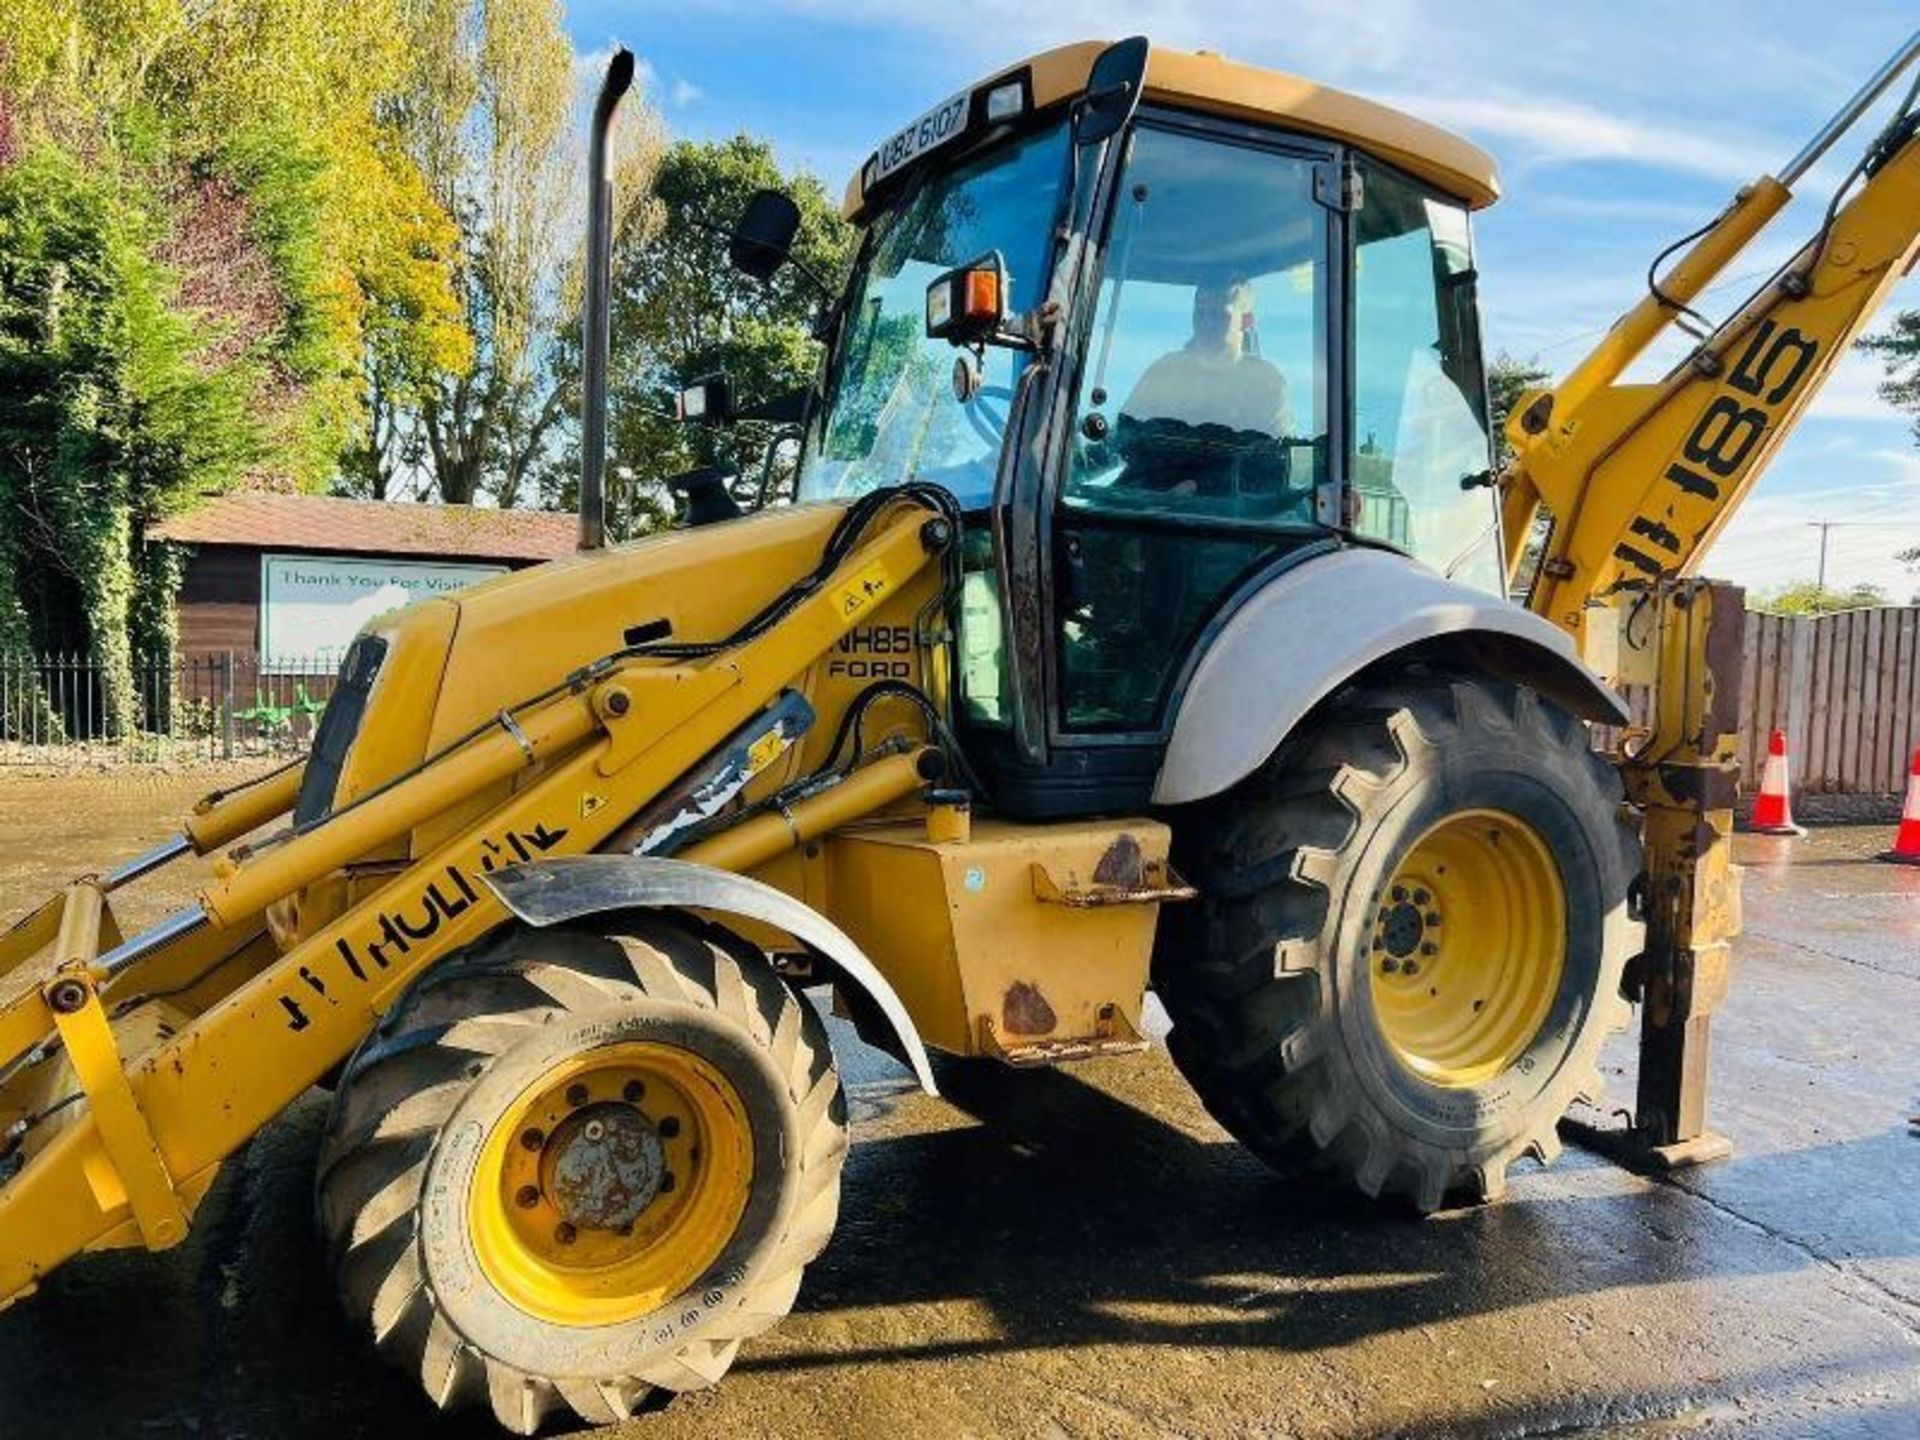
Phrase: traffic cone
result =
(1906, 840)
(1772, 809)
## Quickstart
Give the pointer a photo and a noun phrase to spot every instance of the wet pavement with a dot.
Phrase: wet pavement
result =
(1082, 1252)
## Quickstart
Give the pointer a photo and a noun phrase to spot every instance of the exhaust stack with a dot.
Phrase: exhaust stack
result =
(596, 320)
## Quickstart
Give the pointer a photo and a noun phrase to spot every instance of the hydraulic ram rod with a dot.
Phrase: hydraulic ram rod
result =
(1848, 115)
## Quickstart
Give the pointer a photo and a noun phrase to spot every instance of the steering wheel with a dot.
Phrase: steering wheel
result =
(1233, 473)
(990, 425)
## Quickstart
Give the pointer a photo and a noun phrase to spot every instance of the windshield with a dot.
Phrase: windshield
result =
(891, 415)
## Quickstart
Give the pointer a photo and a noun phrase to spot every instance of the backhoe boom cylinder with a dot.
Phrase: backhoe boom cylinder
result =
(1848, 115)
(1749, 214)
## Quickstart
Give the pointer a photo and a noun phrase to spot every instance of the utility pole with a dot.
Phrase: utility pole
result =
(1823, 526)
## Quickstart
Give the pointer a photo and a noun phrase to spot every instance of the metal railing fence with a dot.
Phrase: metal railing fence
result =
(60, 707)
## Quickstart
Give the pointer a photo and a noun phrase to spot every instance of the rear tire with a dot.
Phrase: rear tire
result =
(691, 1132)
(1408, 945)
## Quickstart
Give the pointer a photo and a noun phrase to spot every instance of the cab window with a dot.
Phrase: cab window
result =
(1204, 394)
(1419, 399)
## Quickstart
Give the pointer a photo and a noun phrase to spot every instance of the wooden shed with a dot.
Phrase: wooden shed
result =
(287, 579)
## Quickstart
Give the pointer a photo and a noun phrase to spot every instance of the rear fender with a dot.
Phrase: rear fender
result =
(554, 892)
(1321, 624)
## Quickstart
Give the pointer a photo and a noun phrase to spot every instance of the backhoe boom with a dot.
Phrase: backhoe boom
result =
(1640, 478)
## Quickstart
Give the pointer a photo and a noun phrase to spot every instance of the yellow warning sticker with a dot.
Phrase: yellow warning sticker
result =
(589, 802)
(764, 751)
(861, 592)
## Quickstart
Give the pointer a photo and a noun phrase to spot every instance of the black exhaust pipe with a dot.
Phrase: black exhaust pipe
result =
(593, 367)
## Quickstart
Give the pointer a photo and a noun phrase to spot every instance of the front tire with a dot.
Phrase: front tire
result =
(1408, 945)
(573, 1168)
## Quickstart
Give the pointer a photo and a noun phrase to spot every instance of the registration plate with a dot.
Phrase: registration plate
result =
(944, 122)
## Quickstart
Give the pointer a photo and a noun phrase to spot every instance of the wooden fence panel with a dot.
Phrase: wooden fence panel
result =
(1845, 688)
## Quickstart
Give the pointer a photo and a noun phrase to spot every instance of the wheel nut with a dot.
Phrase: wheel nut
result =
(1399, 894)
(632, 1091)
(1427, 947)
(1433, 917)
(1389, 965)
(527, 1196)
(1420, 897)
(669, 1127)
(1413, 967)
(594, 1131)
(667, 1183)
(532, 1139)
(577, 1095)
(564, 1233)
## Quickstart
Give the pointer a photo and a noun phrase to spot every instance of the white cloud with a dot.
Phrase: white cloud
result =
(1544, 130)
(684, 93)
(1853, 392)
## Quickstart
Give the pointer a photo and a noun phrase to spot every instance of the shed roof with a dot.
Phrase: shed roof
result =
(371, 527)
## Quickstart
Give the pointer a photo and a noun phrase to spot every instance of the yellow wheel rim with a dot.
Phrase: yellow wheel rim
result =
(611, 1183)
(1469, 946)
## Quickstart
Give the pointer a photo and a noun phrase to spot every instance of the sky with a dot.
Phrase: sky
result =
(1619, 125)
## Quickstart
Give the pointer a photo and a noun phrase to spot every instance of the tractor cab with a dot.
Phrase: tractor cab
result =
(1164, 325)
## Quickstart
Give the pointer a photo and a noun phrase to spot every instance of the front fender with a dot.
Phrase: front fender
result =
(1322, 623)
(552, 892)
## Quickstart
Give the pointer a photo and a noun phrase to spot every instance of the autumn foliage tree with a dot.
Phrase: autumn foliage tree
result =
(205, 226)
(488, 113)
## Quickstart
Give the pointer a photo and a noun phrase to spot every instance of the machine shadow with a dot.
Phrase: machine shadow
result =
(1079, 1219)
(1076, 1217)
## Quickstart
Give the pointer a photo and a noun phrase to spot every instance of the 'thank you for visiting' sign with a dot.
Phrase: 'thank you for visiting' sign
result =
(311, 606)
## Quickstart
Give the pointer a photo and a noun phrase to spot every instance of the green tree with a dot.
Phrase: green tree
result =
(205, 222)
(1806, 597)
(680, 311)
(110, 408)
(1507, 380)
(1899, 348)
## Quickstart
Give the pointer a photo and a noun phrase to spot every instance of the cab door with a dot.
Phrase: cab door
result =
(1200, 430)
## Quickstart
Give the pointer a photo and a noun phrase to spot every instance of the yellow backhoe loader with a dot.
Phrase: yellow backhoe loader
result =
(1138, 620)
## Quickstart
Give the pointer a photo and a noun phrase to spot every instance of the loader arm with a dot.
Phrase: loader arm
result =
(130, 1165)
(1640, 478)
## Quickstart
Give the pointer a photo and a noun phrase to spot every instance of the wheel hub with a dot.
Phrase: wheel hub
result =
(1400, 931)
(612, 1183)
(604, 1167)
(1469, 947)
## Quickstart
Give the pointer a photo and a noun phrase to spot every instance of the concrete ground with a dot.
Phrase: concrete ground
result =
(1082, 1252)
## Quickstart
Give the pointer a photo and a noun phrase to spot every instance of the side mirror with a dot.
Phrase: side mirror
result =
(707, 401)
(1114, 87)
(968, 304)
(709, 492)
(763, 240)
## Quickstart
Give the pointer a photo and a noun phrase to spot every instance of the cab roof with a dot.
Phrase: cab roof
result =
(1210, 82)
